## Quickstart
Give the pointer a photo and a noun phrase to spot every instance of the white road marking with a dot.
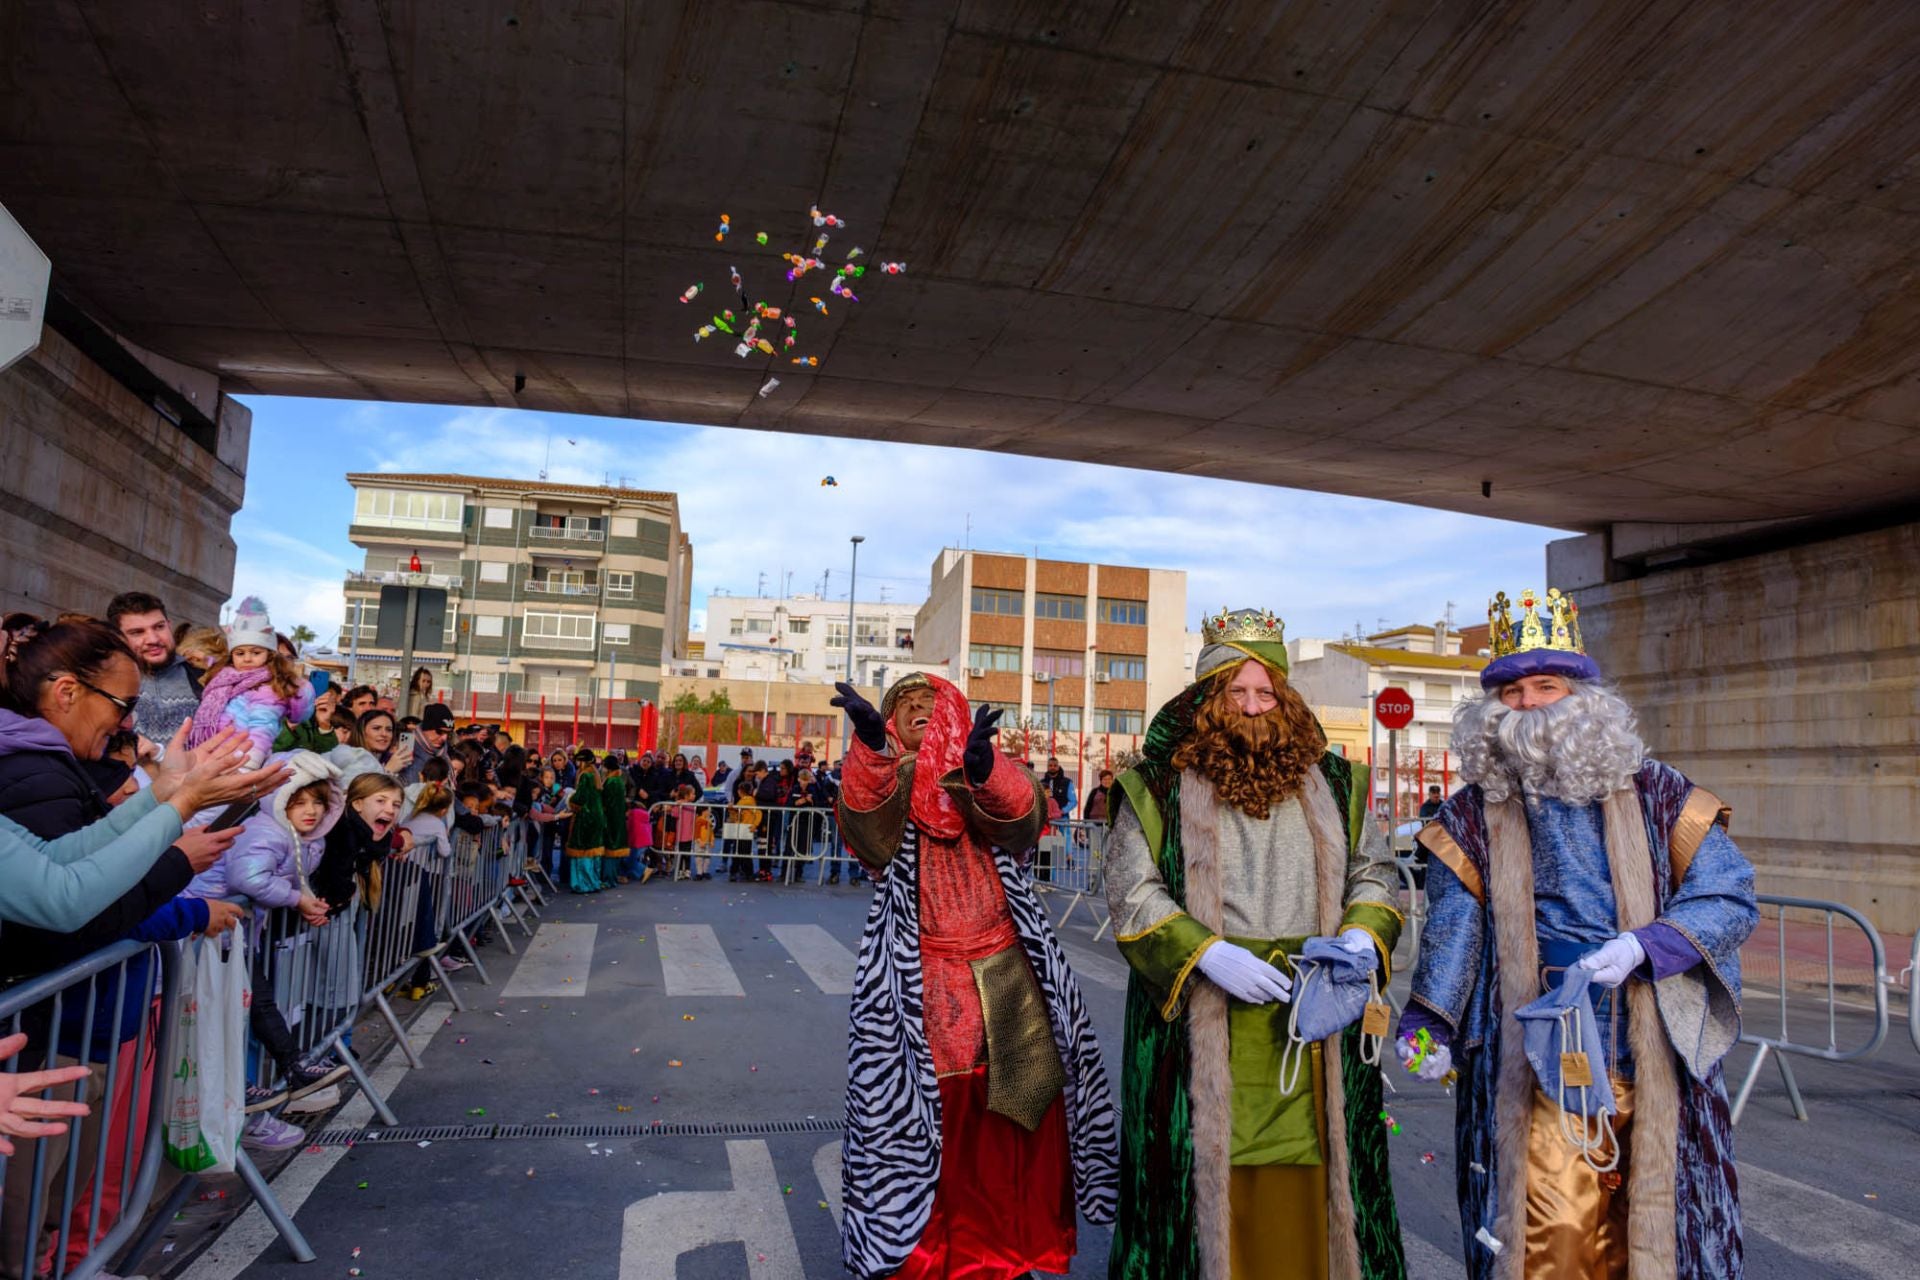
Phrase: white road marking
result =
(1826, 1229)
(692, 962)
(825, 960)
(251, 1234)
(557, 962)
(1430, 1263)
(1091, 966)
(656, 1231)
(826, 1171)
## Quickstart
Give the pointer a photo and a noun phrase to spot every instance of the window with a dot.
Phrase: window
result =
(870, 632)
(1065, 719)
(759, 626)
(558, 687)
(619, 585)
(626, 526)
(497, 518)
(1130, 613)
(799, 626)
(1115, 667)
(404, 564)
(810, 726)
(558, 630)
(400, 509)
(617, 632)
(493, 571)
(994, 657)
(736, 626)
(548, 528)
(1114, 720)
(1061, 663)
(903, 637)
(1009, 711)
(483, 682)
(1065, 608)
(995, 600)
(836, 635)
(452, 634)
(366, 613)
(490, 624)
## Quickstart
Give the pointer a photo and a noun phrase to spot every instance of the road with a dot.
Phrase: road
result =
(653, 1089)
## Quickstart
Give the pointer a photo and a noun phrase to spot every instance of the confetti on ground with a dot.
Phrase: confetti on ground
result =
(553, 1115)
(424, 1142)
(1426, 1157)
(529, 1173)
(622, 1107)
(360, 1186)
(356, 1251)
(593, 1093)
(673, 1062)
(788, 1188)
(823, 1204)
(476, 1111)
(685, 1017)
(461, 1040)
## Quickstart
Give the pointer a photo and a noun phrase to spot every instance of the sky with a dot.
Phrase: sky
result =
(753, 503)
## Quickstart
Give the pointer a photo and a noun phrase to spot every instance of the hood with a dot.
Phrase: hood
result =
(22, 734)
(939, 754)
(308, 767)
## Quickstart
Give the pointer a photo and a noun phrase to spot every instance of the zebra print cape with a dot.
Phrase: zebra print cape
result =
(891, 1159)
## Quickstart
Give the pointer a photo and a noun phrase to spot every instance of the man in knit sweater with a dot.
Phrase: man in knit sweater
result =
(169, 684)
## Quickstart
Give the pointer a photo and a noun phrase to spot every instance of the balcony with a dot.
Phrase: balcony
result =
(577, 644)
(401, 578)
(567, 535)
(559, 587)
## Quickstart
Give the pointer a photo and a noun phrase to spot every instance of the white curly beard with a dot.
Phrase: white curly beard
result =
(1579, 749)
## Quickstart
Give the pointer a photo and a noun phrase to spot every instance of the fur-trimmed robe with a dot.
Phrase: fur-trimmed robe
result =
(1669, 858)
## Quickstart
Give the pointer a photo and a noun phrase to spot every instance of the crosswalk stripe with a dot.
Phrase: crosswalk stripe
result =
(692, 962)
(1824, 1228)
(1091, 966)
(558, 961)
(820, 954)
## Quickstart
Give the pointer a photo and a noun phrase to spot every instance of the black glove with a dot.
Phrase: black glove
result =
(868, 726)
(977, 760)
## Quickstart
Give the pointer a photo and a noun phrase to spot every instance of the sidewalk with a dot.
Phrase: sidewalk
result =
(1804, 940)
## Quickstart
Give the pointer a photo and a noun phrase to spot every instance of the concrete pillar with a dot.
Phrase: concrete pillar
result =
(101, 494)
(1787, 682)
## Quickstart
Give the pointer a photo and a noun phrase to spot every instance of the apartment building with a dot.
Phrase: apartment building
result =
(1084, 652)
(804, 638)
(555, 591)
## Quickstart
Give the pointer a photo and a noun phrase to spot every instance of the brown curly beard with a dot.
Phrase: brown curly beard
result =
(1254, 762)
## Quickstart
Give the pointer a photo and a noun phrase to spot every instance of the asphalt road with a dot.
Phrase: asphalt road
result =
(719, 1012)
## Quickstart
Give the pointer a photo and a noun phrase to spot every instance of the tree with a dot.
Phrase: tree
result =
(695, 709)
(1021, 736)
(302, 635)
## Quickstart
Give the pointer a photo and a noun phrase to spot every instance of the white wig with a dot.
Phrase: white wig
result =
(1579, 749)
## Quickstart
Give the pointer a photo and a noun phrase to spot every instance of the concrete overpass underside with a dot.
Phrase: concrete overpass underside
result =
(1646, 272)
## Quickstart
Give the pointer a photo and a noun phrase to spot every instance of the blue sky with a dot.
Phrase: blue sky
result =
(753, 503)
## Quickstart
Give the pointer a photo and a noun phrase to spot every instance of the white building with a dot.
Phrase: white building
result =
(803, 639)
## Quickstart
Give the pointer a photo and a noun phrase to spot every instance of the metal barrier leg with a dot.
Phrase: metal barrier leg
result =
(393, 1024)
(263, 1196)
(1105, 925)
(157, 1224)
(1061, 923)
(338, 1048)
(473, 958)
(1793, 1086)
(500, 928)
(520, 908)
(531, 895)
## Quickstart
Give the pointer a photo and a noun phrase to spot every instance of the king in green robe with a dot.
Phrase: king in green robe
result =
(1238, 837)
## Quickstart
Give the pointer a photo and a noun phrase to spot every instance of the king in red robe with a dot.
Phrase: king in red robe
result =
(978, 1111)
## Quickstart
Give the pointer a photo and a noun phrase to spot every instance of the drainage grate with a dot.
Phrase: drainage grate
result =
(496, 1132)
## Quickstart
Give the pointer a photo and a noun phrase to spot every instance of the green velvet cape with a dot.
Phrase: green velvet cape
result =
(1155, 1235)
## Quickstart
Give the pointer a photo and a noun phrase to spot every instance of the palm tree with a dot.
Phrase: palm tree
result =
(302, 635)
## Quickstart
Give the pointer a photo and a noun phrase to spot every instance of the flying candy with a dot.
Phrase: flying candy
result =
(789, 342)
(737, 282)
(720, 322)
(809, 361)
(704, 332)
(893, 268)
(766, 312)
(829, 483)
(854, 252)
(765, 390)
(819, 245)
(692, 292)
(760, 237)
(726, 225)
(819, 306)
(824, 219)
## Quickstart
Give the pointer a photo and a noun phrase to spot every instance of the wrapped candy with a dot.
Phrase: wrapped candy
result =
(819, 246)
(742, 350)
(854, 252)
(726, 225)
(819, 306)
(810, 361)
(788, 345)
(763, 346)
(737, 283)
(704, 332)
(824, 219)
(767, 387)
(721, 322)
(893, 268)
(692, 292)
(760, 237)
(766, 312)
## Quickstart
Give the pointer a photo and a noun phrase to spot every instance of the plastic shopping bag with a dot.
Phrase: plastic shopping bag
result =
(206, 1095)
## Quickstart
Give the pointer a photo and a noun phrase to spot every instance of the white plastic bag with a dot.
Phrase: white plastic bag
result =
(206, 1096)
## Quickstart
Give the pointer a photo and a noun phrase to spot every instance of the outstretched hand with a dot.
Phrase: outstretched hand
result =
(868, 724)
(978, 757)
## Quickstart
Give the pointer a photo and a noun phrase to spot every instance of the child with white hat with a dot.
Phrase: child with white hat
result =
(255, 687)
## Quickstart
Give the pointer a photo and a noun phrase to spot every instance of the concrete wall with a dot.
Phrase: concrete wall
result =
(100, 494)
(1788, 683)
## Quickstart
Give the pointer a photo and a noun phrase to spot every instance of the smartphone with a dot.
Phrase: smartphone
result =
(234, 814)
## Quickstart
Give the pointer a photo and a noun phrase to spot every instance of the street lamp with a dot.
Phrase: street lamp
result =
(1046, 678)
(853, 580)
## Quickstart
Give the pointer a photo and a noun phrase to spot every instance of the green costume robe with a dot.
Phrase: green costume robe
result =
(585, 844)
(613, 826)
(1262, 872)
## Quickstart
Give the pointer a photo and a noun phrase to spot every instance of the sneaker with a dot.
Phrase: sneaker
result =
(454, 964)
(264, 1133)
(422, 991)
(310, 1076)
(323, 1099)
(261, 1098)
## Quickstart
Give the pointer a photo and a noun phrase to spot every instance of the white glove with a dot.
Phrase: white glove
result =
(1359, 942)
(1612, 962)
(1243, 975)
(1433, 1067)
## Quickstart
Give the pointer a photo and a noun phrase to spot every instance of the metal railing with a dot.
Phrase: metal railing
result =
(403, 578)
(1797, 976)
(1068, 860)
(1913, 994)
(542, 586)
(552, 533)
(789, 838)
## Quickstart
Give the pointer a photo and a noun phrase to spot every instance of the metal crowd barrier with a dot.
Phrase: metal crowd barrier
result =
(1795, 977)
(1068, 860)
(74, 1201)
(1913, 993)
(792, 838)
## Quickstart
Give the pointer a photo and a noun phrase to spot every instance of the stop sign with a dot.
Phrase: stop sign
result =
(1393, 708)
(23, 290)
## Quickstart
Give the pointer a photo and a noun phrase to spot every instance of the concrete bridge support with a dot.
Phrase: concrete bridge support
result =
(118, 470)
(1782, 671)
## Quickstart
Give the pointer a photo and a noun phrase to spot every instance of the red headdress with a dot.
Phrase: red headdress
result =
(940, 753)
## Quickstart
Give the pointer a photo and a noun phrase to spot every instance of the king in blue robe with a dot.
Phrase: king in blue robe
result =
(1568, 847)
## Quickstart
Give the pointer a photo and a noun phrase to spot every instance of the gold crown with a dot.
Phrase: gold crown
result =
(1251, 625)
(1559, 629)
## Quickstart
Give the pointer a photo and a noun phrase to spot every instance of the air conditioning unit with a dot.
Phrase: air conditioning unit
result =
(1101, 677)
(976, 671)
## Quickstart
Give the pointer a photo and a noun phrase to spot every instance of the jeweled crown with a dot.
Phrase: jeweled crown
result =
(1551, 621)
(1246, 625)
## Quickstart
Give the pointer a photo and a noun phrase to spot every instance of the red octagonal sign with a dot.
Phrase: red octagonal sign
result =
(1393, 708)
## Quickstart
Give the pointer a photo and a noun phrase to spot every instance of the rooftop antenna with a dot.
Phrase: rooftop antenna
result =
(1449, 615)
(760, 585)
